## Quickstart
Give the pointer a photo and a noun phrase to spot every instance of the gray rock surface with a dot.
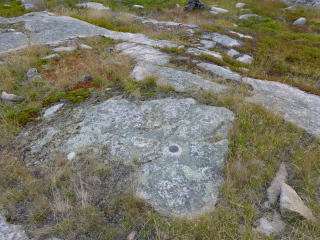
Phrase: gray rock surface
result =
(93, 5)
(219, 71)
(32, 72)
(208, 44)
(52, 56)
(270, 226)
(233, 53)
(31, 1)
(299, 22)
(10, 97)
(240, 34)
(219, 10)
(64, 49)
(55, 30)
(247, 16)
(182, 145)
(240, 5)
(194, 5)
(10, 231)
(297, 106)
(222, 39)
(51, 111)
(275, 188)
(143, 53)
(137, 6)
(30, 7)
(198, 51)
(291, 204)
(245, 59)
(181, 81)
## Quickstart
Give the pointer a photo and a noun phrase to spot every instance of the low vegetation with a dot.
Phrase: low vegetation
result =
(70, 199)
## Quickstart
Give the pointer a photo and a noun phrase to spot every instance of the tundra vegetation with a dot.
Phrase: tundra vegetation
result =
(62, 198)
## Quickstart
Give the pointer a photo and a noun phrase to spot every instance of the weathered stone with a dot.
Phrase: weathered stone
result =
(93, 5)
(299, 22)
(181, 174)
(270, 227)
(247, 16)
(245, 59)
(219, 71)
(291, 8)
(10, 231)
(32, 72)
(10, 97)
(180, 81)
(143, 53)
(64, 49)
(85, 47)
(208, 44)
(275, 187)
(291, 204)
(194, 5)
(51, 111)
(240, 34)
(197, 51)
(222, 39)
(30, 7)
(137, 6)
(219, 10)
(233, 53)
(297, 106)
(240, 5)
(52, 56)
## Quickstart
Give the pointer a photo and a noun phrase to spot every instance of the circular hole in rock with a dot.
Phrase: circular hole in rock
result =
(173, 149)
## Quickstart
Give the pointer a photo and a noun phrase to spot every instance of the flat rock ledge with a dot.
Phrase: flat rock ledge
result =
(181, 144)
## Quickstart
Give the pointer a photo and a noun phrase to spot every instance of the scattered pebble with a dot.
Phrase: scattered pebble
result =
(71, 156)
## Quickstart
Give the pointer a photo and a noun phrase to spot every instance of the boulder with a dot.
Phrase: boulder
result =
(299, 22)
(10, 97)
(194, 5)
(291, 204)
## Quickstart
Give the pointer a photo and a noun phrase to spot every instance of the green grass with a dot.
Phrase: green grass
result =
(16, 10)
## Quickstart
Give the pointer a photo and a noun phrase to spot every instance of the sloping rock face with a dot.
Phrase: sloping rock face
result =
(177, 145)
(298, 107)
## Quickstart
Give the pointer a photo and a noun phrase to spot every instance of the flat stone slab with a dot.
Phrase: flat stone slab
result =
(13, 41)
(181, 143)
(297, 106)
(221, 39)
(197, 51)
(220, 71)
(179, 80)
(10, 231)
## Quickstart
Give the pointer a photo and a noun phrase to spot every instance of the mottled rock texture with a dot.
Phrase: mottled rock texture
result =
(270, 226)
(10, 231)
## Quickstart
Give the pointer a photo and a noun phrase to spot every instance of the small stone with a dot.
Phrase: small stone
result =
(291, 8)
(7, 5)
(108, 89)
(245, 59)
(233, 53)
(71, 156)
(85, 47)
(10, 97)
(247, 16)
(64, 49)
(214, 12)
(32, 72)
(87, 79)
(299, 22)
(219, 10)
(291, 204)
(52, 56)
(240, 5)
(268, 227)
(275, 187)
(131, 235)
(137, 6)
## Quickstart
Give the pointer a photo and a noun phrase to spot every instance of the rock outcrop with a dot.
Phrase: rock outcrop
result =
(193, 5)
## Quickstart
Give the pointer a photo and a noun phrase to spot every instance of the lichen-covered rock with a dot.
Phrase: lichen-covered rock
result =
(51, 111)
(221, 39)
(270, 226)
(275, 187)
(291, 204)
(10, 231)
